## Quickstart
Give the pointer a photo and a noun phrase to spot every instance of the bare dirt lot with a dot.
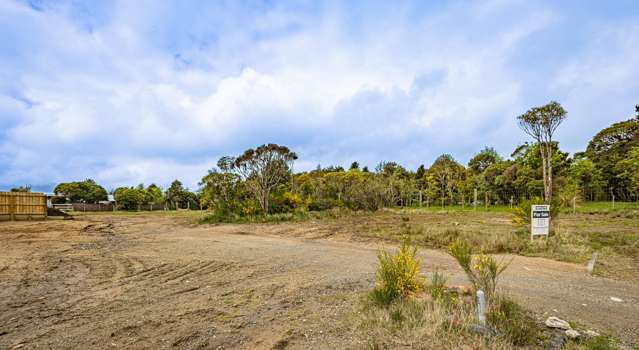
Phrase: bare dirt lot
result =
(138, 281)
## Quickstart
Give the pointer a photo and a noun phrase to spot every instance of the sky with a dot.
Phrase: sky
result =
(146, 91)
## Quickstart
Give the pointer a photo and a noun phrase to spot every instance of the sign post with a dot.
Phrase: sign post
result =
(539, 220)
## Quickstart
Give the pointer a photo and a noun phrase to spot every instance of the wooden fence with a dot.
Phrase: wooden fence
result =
(22, 206)
(92, 207)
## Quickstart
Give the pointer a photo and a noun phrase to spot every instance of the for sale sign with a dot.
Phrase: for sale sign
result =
(540, 219)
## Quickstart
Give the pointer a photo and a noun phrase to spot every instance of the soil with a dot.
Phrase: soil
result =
(162, 282)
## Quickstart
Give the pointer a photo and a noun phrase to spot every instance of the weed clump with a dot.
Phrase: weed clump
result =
(483, 271)
(513, 322)
(398, 275)
(437, 287)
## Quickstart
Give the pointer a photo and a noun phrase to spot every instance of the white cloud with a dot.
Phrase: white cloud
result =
(150, 93)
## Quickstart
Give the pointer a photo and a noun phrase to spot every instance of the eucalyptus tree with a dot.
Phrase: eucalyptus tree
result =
(263, 168)
(541, 123)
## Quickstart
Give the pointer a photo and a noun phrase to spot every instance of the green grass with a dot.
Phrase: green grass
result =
(297, 216)
(603, 207)
(596, 343)
(515, 324)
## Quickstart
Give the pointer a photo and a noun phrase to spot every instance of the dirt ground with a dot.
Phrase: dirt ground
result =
(118, 281)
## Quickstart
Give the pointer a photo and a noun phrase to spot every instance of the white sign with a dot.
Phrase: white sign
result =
(539, 220)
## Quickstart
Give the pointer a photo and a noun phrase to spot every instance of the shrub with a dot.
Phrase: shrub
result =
(483, 271)
(522, 211)
(397, 274)
(513, 322)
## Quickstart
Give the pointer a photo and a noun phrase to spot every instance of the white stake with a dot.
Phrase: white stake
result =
(481, 307)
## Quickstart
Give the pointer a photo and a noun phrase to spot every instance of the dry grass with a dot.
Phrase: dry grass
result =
(614, 235)
(419, 324)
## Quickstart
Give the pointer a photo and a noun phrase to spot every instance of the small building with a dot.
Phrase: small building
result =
(110, 200)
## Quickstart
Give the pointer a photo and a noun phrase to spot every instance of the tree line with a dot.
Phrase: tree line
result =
(128, 198)
(262, 181)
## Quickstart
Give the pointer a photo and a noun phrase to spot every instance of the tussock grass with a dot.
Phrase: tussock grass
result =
(514, 323)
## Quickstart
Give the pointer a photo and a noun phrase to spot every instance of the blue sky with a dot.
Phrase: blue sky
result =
(130, 92)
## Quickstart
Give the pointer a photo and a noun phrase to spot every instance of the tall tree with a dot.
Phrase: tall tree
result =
(540, 123)
(448, 173)
(87, 191)
(263, 168)
(154, 194)
(611, 145)
(175, 193)
(482, 160)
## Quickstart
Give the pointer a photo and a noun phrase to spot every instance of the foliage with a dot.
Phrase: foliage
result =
(262, 169)
(397, 274)
(628, 170)
(437, 285)
(154, 194)
(482, 160)
(175, 194)
(483, 271)
(513, 322)
(588, 178)
(130, 198)
(261, 181)
(611, 146)
(26, 188)
(87, 191)
(540, 123)
(521, 212)
(448, 174)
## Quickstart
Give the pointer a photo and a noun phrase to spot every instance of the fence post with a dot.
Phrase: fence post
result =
(475, 200)
(481, 307)
(12, 207)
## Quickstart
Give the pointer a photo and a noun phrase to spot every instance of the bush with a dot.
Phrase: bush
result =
(397, 274)
(522, 211)
(483, 271)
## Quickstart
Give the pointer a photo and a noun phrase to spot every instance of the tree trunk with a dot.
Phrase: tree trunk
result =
(546, 168)
(264, 202)
(549, 173)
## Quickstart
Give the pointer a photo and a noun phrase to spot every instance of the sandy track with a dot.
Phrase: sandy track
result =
(137, 282)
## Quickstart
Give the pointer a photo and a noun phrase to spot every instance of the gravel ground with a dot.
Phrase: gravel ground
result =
(107, 282)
